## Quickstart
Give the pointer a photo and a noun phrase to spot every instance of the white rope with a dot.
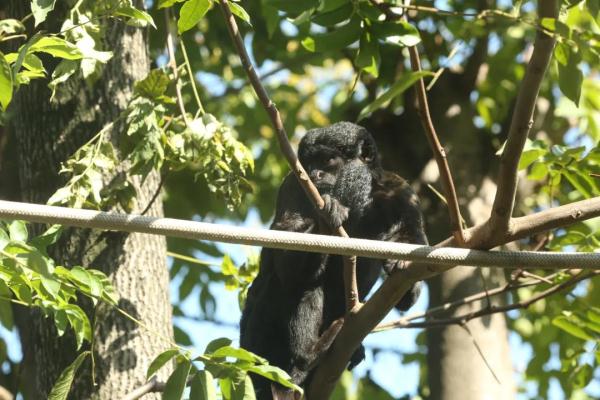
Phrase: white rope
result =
(293, 240)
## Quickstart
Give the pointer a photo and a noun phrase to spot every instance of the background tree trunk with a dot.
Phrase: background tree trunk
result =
(46, 134)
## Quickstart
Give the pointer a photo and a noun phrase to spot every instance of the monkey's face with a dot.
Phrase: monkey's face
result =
(323, 168)
(340, 160)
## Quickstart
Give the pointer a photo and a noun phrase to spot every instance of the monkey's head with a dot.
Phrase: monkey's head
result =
(341, 160)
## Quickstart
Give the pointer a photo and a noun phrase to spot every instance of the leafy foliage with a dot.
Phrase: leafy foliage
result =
(28, 274)
(228, 366)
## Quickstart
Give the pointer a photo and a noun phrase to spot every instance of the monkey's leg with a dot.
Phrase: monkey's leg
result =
(308, 359)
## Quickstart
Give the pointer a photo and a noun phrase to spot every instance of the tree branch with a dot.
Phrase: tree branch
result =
(485, 311)
(439, 154)
(350, 284)
(521, 123)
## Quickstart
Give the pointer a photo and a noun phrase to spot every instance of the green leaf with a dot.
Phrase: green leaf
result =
(244, 390)
(240, 354)
(554, 25)
(334, 17)
(49, 237)
(11, 26)
(177, 381)
(62, 386)
(329, 5)
(161, 360)
(17, 230)
(63, 71)
(292, 6)
(570, 78)
(399, 33)
(79, 322)
(168, 3)
(4, 239)
(56, 47)
(51, 285)
(140, 16)
(239, 11)
(6, 314)
(203, 387)
(61, 321)
(368, 54)
(337, 39)
(31, 258)
(40, 9)
(153, 86)
(582, 375)
(407, 80)
(191, 12)
(274, 374)
(23, 51)
(216, 344)
(228, 267)
(571, 327)
(6, 82)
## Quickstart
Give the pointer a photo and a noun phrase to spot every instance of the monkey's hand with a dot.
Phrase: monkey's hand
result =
(333, 212)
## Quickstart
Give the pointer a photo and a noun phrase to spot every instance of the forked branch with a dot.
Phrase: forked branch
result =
(521, 123)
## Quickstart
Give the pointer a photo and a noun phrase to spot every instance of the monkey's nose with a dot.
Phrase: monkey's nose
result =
(317, 175)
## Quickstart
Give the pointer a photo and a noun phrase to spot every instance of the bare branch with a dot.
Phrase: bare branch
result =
(152, 386)
(521, 123)
(439, 153)
(438, 150)
(480, 351)
(350, 285)
(553, 218)
(508, 287)
(462, 319)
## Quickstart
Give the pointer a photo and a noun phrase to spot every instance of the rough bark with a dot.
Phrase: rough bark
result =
(45, 134)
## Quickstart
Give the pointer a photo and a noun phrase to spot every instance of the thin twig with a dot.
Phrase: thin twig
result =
(480, 351)
(287, 150)
(438, 150)
(439, 154)
(461, 319)
(163, 176)
(173, 65)
(521, 123)
(191, 74)
(401, 322)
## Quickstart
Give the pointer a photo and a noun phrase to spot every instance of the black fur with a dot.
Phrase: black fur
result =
(295, 305)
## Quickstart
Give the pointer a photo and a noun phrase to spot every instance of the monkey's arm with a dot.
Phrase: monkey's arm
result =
(397, 207)
(294, 213)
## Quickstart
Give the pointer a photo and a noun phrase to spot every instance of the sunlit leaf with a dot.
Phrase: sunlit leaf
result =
(161, 360)
(407, 80)
(6, 82)
(40, 9)
(191, 12)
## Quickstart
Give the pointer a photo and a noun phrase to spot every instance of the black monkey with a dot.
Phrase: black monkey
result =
(294, 307)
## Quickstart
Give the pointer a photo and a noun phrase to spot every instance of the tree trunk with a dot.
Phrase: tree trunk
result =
(45, 135)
